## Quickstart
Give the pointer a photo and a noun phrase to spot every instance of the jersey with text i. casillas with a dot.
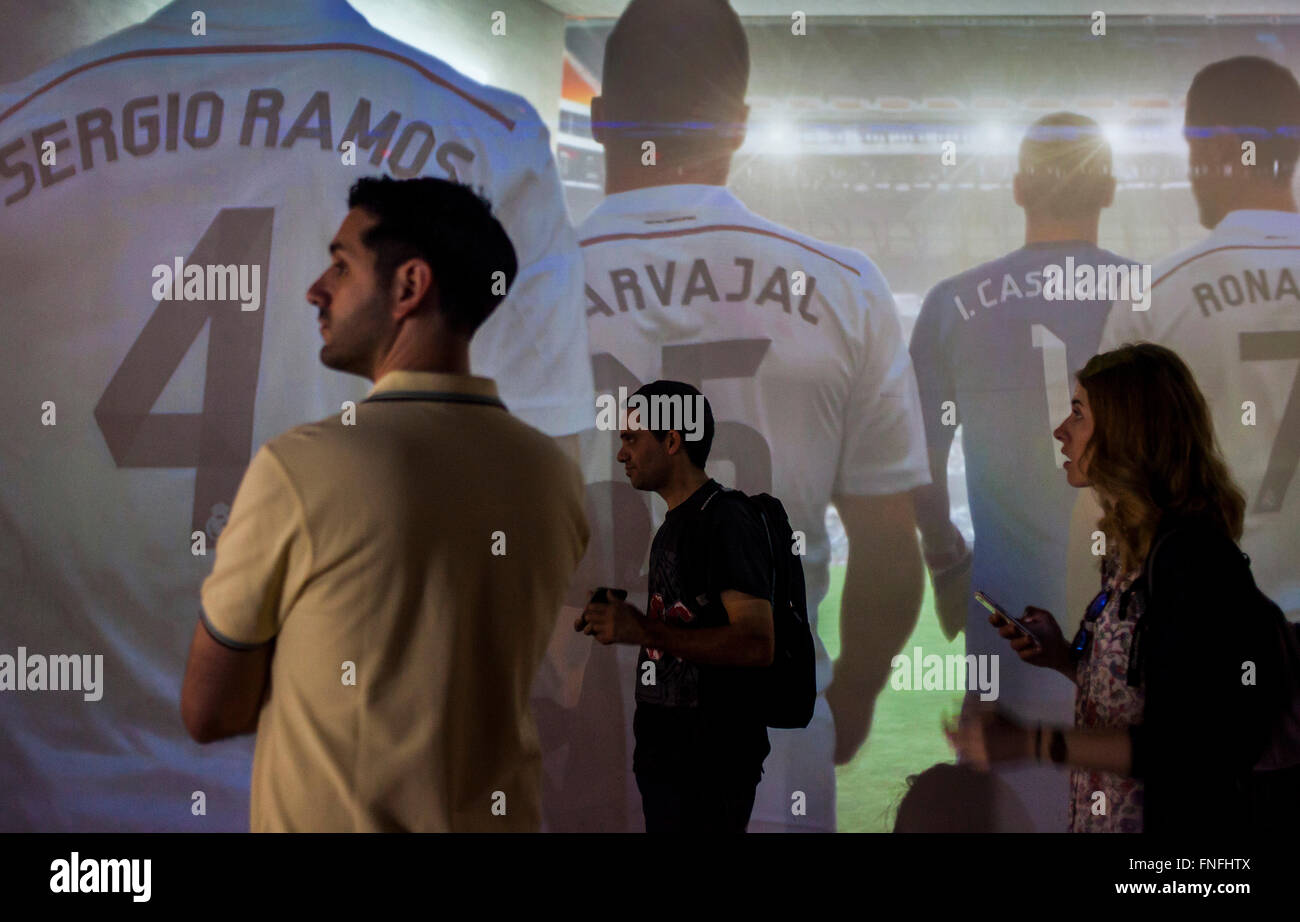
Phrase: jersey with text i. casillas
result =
(994, 354)
(130, 414)
(1230, 307)
(797, 346)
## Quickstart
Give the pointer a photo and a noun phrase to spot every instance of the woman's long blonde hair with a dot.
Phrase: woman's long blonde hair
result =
(1153, 449)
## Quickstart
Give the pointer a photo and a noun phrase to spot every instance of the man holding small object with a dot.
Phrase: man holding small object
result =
(700, 737)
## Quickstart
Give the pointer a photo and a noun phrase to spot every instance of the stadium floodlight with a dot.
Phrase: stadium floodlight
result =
(775, 138)
(994, 136)
(1116, 135)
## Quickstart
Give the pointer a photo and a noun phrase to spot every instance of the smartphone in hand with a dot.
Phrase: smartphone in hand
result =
(1001, 612)
(601, 597)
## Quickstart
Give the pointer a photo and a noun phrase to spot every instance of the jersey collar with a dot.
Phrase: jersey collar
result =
(666, 198)
(1260, 223)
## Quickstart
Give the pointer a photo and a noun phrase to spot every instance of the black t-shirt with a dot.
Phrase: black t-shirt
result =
(696, 716)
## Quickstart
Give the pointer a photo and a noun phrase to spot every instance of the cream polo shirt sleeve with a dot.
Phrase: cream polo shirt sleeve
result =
(263, 557)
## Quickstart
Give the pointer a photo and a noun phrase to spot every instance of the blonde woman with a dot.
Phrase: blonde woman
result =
(1166, 727)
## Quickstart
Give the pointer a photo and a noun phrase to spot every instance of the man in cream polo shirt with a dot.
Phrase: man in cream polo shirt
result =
(388, 579)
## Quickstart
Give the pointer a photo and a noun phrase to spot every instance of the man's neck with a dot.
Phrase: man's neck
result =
(1257, 196)
(1053, 230)
(441, 354)
(626, 173)
(683, 484)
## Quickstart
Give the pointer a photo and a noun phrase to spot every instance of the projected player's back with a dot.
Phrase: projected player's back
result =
(1230, 305)
(994, 350)
(798, 347)
(172, 155)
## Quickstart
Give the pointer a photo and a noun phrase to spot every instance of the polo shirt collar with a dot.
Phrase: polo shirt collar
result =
(1261, 223)
(438, 382)
(667, 198)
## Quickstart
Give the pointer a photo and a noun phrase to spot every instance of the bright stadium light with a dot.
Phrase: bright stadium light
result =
(1115, 134)
(994, 136)
(778, 138)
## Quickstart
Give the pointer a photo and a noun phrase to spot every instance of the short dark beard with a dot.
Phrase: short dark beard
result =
(357, 355)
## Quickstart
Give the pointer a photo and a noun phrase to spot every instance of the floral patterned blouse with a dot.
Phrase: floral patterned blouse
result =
(1102, 801)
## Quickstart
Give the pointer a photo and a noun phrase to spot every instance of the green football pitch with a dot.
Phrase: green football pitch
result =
(906, 731)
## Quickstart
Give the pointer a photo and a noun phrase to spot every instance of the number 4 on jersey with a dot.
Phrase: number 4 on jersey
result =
(218, 441)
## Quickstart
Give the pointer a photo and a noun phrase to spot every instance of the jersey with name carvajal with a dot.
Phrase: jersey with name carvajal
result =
(166, 199)
(798, 347)
(1230, 307)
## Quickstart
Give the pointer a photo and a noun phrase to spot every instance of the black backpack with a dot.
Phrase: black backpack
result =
(789, 688)
(1283, 750)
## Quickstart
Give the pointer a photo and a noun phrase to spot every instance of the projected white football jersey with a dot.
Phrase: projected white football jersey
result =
(130, 415)
(1230, 307)
(798, 347)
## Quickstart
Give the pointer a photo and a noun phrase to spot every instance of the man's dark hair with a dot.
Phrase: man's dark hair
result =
(1257, 100)
(697, 451)
(1065, 166)
(675, 63)
(449, 226)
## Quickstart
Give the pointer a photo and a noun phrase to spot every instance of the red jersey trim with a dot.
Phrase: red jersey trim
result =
(1242, 246)
(429, 75)
(740, 228)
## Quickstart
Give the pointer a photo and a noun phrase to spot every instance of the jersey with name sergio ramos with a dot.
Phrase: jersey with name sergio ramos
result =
(798, 347)
(158, 145)
(1230, 307)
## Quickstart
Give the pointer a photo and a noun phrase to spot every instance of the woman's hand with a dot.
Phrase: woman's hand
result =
(985, 735)
(1051, 650)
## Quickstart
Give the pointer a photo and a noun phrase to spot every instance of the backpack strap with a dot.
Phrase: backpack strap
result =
(1148, 568)
(757, 506)
(1136, 661)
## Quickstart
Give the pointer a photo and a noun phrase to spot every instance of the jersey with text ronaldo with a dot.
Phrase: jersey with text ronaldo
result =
(798, 347)
(166, 199)
(1230, 307)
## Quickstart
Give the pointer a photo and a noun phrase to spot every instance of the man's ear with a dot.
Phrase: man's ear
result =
(673, 442)
(1215, 152)
(1110, 193)
(742, 127)
(1018, 190)
(412, 286)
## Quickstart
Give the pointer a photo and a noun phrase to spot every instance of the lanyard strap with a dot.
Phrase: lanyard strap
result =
(437, 397)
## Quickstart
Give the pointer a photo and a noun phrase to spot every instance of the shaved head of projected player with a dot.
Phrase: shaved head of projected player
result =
(796, 342)
(355, 541)
(386, 302)
(692, 110)
(1243, 131)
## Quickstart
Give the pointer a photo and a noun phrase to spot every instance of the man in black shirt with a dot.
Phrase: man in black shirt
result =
(707, 631)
